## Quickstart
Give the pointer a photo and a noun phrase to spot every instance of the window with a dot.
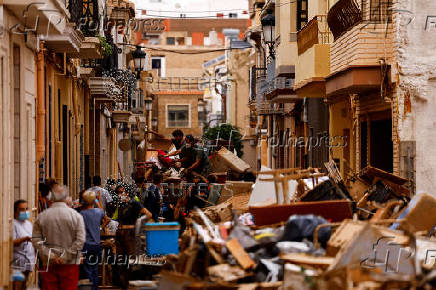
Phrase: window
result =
(302, 14)
(233, 15)
(171, 41)
(158, 63)
(178, 116)
(180, 41)
(152, 39)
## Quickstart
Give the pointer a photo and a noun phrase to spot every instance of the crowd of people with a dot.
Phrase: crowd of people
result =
(64, 242)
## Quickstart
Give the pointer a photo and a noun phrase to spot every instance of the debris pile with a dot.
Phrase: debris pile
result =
(304, 229)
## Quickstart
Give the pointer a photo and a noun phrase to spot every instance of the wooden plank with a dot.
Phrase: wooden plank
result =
(298, 258)
(215, 255)
(240, 255)
(190, 261)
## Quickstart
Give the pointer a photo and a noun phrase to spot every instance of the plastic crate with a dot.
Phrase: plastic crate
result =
(162, 238)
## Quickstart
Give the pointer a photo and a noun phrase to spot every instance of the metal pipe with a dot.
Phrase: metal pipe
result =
(75, 83)
(40, 104)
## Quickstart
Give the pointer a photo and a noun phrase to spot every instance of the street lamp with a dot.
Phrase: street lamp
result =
(138, 60)
(268, 30)
(148, 104)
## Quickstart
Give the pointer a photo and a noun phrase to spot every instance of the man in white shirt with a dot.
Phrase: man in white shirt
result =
(105, 197)
(24, 254)
(58, 235)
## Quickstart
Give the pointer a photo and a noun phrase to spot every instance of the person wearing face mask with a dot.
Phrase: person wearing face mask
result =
(24, 254)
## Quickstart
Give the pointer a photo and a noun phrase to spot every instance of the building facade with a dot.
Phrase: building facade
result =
(177, 58)
(55, 121)
(286, 119)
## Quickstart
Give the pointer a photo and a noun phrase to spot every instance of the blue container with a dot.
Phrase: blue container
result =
(162, 238)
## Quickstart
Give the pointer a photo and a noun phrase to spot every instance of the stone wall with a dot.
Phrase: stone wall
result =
(415, 72)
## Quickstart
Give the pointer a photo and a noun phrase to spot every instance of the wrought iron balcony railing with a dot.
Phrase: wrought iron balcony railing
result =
(267, 108)
(266, 87)
(85, 14)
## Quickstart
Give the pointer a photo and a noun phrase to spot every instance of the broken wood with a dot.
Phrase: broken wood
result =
(192, 255)
(304, 259)
(240, 254)
(217, 257)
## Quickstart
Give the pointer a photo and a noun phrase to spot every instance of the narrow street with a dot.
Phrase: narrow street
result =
(232, 144)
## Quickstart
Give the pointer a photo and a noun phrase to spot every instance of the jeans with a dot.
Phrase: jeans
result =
(91, 261)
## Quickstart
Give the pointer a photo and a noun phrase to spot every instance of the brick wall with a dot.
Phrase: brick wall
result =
(364, 44)
(174, 98)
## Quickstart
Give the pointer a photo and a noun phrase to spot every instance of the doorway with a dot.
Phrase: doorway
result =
(65, 142)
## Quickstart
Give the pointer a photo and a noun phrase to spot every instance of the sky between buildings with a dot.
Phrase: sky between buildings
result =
(192, 8)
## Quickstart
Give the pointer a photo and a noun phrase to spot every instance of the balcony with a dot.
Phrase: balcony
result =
(278, 89)
(313, 63)
(90, 48)
(362, 38)
(69, 41)
(267, 108)
(85, 72)
(343, 16)
(316, 31)
(50, 20)
(120, 10)
(103, 87)
(121, 116)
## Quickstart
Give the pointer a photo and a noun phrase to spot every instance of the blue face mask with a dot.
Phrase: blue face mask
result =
(18, 276)
(24, 215)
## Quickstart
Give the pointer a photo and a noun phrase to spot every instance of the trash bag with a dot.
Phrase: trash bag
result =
(299, 227)
(243, 234)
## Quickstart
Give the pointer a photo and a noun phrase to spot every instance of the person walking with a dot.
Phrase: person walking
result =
(93, 218)
(59, 235)
(24, 253)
